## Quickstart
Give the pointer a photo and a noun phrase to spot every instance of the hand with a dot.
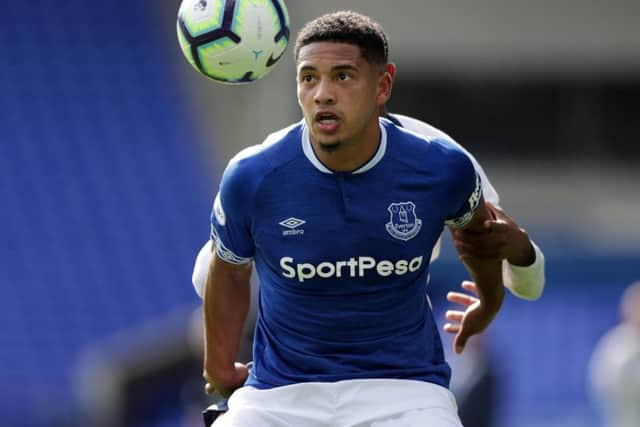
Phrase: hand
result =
(502, 239)
(474, 319)
(225, 387)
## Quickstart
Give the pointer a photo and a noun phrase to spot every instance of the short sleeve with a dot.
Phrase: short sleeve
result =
(231, 218)
(466, 190)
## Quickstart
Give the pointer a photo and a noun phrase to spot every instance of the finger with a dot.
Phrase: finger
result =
(469, 238)
(484, 253)
(481, 246)
(490, 209)
(497, 226)
(471, 287)
(454, 315)
(451, 328)
(501, 215)
(462, 248)
(462, 299)
(495, 210)
(482, 250)
(474, 252)
(460, 341)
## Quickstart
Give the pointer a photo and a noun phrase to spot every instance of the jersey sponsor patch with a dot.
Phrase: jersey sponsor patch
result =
(403, 223)
(353, 267)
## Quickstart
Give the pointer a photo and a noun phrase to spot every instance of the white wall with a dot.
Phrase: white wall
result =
(503, 36)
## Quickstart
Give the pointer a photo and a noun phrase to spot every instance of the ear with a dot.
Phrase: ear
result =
(385, 84)
(391, 69)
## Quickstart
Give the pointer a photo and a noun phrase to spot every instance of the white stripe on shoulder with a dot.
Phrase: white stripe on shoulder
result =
(423, 129)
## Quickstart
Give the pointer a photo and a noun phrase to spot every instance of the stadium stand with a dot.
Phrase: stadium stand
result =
(99, 196)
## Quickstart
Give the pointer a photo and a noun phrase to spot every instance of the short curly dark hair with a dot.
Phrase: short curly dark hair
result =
(347, 27)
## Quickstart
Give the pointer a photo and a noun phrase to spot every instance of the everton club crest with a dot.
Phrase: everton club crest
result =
(403, 224)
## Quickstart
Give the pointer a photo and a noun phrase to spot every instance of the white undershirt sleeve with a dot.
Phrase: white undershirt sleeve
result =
(525, 282)
(201, 268)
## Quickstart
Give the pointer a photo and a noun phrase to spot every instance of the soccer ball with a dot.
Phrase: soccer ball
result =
(233, 41)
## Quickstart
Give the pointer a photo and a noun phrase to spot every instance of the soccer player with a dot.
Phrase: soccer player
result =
(523, 266)
(340, 214)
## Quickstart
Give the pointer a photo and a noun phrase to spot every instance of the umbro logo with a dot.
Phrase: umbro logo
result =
(292, 225)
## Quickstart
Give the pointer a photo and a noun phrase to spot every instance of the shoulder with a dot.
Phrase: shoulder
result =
(430, 133)
(247, 170)
(429, 148)
(422, 128)
(254, 162)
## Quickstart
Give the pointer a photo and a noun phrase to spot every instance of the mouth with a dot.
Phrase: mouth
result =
(327, 121)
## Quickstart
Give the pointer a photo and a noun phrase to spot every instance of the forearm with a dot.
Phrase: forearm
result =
(486, 272)
(521, 251)
(226, 304)
(487, 275)
(479, 315)
(528, 281)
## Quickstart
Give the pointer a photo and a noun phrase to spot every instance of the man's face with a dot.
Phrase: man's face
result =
(339, 92)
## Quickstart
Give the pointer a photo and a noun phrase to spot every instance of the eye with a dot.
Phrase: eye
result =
(343, 76)
(306, 78)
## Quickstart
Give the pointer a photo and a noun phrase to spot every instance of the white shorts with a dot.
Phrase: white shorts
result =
(351, 403)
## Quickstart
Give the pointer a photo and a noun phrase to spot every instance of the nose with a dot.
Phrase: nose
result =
(324, 94)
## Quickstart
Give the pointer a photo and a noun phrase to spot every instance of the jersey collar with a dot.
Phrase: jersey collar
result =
(307, 148)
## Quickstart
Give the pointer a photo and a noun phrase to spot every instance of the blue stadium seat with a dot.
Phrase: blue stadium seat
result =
(102, 202)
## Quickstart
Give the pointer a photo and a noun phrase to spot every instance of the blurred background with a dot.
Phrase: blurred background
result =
(111, 147)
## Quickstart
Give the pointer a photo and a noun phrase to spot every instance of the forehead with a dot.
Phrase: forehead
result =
(328, 54)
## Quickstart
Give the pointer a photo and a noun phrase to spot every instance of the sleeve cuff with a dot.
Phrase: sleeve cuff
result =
(474, 203)
(226, 254)
(525, 282)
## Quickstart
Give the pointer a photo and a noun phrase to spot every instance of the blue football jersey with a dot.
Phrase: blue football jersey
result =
(343, 258)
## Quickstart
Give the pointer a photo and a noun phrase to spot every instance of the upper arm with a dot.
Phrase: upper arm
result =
(230, 273)
(231, 217)
(466, 206)
(429, 131)
(479, 216)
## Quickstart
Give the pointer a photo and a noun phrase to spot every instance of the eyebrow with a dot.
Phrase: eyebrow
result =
(339, 67)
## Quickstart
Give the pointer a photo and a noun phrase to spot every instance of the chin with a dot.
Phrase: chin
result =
(326, 141)
(329, 146)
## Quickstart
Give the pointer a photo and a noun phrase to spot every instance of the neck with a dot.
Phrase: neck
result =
(350, 155)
